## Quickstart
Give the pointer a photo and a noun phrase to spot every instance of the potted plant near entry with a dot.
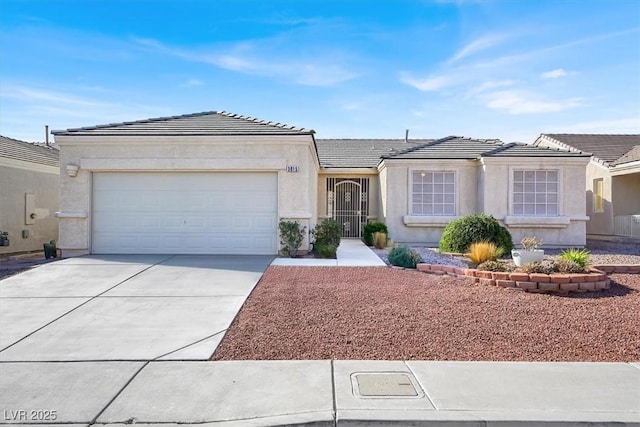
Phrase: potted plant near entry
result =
(528, 253)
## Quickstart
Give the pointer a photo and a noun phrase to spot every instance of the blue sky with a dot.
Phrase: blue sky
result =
(488, 69)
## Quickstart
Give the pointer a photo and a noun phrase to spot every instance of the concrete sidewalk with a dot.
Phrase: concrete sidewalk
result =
(350, 253)
(359, 393)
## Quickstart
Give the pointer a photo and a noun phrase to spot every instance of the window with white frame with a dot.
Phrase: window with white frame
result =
(433, 193)
(535, 192)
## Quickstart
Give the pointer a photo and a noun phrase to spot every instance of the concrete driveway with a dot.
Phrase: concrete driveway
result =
(124, 308)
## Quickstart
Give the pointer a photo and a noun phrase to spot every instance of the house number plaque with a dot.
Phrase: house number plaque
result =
(293, 168)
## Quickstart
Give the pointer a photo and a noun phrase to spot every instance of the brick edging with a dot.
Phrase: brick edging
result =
(595, 280)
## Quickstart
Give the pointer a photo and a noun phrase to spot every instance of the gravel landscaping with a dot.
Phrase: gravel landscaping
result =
(391, 314)
(600, 253)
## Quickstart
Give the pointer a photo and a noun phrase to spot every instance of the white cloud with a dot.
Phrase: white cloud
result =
(192, 83)
(554, 74)
(475, 46)
(491, 84)
(258, 58)
(427, 84)
(34, 95)
(523, 102)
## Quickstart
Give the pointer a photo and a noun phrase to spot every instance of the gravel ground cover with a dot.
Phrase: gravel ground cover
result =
(391, 314)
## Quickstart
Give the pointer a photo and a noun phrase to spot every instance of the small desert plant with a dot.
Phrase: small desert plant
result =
(370, 229)
(379, 240)
(480, 252)
(291, 237)
(545, 267)
(403, 256)
(492, 266)
(327, 232)
(459, 234)
(325, 250)
(579, 256)
(530, 243)
(567, 266)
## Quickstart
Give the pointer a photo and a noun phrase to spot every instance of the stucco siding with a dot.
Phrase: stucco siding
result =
(42, 183)
(403, 225)
(626, 194)
(600, 223)
(486, 186)
(297, 197)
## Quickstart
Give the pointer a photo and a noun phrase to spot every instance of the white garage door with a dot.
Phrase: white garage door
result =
(185, 213)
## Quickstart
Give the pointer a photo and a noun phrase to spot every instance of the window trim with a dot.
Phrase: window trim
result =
(526, 168)
(456, 192)
(593, 196)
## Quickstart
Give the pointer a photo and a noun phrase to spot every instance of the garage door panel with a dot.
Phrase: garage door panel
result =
(233, 213)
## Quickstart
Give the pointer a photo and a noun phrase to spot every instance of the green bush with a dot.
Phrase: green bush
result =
(492, 266)
(327, 232)
(402, 256)
(370, 229)
(459, 234)
(325, 250)
(291, 237)
(579, 256)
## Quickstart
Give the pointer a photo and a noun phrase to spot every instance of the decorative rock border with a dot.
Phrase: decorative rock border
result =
(595, 280)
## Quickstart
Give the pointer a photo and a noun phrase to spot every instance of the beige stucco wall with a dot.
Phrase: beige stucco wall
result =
(600, 223)
(395, 176)
(484, 186)
(297, 191)
(568, 228)
(18, 179)
(626, 194)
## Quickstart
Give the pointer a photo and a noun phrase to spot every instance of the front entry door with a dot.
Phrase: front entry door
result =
(348, 204)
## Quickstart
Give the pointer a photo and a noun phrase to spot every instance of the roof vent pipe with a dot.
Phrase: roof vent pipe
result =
(406, 135)
(46, 135)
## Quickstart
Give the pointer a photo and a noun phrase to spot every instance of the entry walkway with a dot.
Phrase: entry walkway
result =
(351, 253)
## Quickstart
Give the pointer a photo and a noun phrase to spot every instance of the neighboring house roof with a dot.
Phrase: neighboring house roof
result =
(28, 152)
(359, 153)
(456, 147)
(632, 156)
(608, 149)
(205, 123)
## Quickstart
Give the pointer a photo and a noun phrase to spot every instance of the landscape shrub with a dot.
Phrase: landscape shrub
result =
(544, 267)
(492, 266)
(369, 229)
(379, 240)
(291, 237)
(579, 256)
(403, 256)
(567, 266)
(325, 250)
(459, 234)
(327, 232)
(480, 252)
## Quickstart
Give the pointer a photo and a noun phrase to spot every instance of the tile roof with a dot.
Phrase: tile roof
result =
(359, 153)
(606, 148)
(28, 152)
(205, 123)
(632, 155)
(456, 147)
